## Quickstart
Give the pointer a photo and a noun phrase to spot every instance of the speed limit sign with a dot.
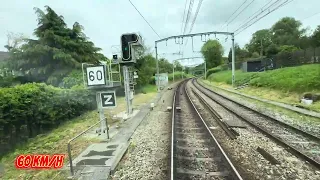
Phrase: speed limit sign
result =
(96, 76)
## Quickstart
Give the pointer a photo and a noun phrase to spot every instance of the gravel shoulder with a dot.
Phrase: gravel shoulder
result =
(243, 150)
(148, 154)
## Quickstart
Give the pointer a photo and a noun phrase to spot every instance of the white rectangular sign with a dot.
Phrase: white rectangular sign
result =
(96, 75)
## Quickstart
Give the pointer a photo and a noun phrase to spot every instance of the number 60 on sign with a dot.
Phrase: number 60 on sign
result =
(96, 76)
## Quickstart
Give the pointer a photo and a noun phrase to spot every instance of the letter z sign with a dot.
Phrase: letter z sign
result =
(108, 99)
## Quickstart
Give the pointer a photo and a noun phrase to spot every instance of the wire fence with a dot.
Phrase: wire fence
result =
(284, 59)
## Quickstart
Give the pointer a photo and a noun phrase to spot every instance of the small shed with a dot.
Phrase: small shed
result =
(253, 65)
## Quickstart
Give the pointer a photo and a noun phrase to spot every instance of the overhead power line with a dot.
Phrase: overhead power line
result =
(223, 26)
(310, 16)
(242, 28)
(241, 12)
(257, 12)
(145, 19)
(195, 15)
(194, 18)
(184, 13)
(188, 15)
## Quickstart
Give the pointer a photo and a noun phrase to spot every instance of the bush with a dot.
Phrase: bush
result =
(30, 109)
(213, 70)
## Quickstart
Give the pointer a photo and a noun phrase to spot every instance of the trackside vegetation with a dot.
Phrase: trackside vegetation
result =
(34, 108)
(293, 79)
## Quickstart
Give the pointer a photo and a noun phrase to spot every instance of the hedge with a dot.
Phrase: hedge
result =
(30, 109)
(213, 70)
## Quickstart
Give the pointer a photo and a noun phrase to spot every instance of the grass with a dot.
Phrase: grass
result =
(261, 106)
(55, 142)
(291, 98)
(150, 88)
(291, 79)
(282, 85)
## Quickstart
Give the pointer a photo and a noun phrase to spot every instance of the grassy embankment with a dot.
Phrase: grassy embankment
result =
(55, 142)
(283, 85)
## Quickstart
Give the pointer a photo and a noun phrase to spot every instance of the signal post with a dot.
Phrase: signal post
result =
(128, 43)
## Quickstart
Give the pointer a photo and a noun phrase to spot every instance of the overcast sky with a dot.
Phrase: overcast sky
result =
(105, 20)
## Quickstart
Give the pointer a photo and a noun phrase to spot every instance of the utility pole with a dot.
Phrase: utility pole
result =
(261, 51)
(205, 69)
(173, 70)
(157, 64)
(233, 59)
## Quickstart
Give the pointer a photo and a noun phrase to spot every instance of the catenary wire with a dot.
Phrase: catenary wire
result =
(145, 19)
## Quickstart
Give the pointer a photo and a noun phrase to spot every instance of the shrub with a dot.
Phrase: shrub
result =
(213, 70)
(30, 109)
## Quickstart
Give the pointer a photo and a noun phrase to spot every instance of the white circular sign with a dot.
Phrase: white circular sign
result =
(96, 76)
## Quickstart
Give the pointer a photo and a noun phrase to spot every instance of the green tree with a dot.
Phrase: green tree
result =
(240, 54)
(178, 66)
(287, 31)
(212, 52)
(259, 42)
(287, 49)
(56, 51)
(146, 67)
(255, 55)
(272, 50)
(315, 38)
(165, 66)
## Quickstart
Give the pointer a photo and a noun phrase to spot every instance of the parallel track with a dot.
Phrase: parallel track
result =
(195, 153)
(299, 142)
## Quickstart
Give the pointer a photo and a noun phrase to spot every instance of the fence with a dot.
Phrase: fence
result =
(285, 59)
(297, 58)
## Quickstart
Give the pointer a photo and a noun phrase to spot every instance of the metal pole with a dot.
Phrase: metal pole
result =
(70, 159)
(233, 59)
(127, 88)
(69, 146)
(173, 70)
(205, 70)
(103, 124)
(157, 66)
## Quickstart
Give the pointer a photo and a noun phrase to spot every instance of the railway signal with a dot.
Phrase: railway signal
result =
(127, 42)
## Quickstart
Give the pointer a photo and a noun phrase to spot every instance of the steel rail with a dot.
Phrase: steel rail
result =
(309, 135)
(233, 171)
(286, 145)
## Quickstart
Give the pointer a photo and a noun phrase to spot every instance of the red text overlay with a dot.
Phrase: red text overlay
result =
(40, 161)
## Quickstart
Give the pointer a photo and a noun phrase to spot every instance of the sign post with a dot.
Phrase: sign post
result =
(96, 78)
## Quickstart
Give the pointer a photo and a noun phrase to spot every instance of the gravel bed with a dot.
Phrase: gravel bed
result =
(198, 177)
(248, 160)
(189, 144)
(273, 127)
(303, 122)
(196, 165)
(149, 152)
(197, 153)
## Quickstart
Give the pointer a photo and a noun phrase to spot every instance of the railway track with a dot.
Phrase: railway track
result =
(195, 153)
(299, 142)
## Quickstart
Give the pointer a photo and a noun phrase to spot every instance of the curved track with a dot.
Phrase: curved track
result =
(299, 142)
(195, 152)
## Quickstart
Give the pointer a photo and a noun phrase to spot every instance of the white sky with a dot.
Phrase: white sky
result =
(105, 20)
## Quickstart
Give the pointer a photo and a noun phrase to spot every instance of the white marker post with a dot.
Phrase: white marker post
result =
(96, 77)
